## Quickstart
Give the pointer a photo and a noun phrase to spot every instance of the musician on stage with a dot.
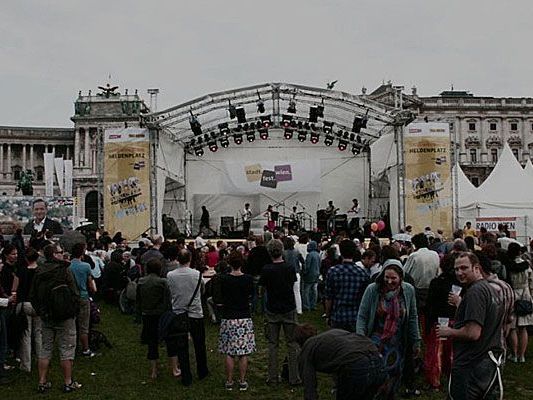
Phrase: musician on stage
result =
(246, 219)
(331, 211)
(354, 209)
(271, 224)
(294, 223)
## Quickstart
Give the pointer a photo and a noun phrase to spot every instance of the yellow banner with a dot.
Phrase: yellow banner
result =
(127, 182)
(428, 182)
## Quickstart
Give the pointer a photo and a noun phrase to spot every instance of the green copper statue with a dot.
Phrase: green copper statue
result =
(25, 183)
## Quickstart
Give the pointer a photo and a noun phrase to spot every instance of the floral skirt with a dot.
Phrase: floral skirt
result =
(236, 337)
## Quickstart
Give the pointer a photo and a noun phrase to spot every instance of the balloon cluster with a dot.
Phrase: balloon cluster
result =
(377, 226)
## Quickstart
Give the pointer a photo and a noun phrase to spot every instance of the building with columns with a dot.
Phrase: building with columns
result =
(22, 148)
(479, 125)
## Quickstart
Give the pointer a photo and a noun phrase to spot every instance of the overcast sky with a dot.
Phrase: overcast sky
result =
(51, 49)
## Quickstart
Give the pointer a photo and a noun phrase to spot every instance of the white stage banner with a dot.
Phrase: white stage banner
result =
(60, 174)
(68, 178)
(272, 176)
(49, 174)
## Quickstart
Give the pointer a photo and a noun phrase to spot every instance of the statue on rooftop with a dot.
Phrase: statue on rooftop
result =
(25, 183)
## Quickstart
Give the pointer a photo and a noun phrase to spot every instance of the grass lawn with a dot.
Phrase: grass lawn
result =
(122, 372)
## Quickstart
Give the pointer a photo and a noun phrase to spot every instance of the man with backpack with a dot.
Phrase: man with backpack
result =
(55, 298)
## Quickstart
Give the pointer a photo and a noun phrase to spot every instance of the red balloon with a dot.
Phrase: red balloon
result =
(374, 227)
(381, 225)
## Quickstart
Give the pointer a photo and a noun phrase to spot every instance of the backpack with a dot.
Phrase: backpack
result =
(55, 299)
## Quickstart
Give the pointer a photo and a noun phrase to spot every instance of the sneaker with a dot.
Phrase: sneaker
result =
(513, 359)
(88, 353)
(44, 387)
(229, 386)
(243, 386)
(71, 387)
(522, 359)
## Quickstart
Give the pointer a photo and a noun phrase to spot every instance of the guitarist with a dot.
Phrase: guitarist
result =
(331, 211)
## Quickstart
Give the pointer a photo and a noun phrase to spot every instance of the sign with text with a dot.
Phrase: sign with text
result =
(491, 224)
(127, 181)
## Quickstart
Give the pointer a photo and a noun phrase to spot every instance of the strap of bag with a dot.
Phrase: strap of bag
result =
(195, 291)
(498, 376)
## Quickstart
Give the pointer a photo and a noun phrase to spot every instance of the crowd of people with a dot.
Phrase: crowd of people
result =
(451, 310)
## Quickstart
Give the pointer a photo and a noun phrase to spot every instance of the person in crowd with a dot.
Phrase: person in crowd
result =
(257, 258)
(269, 214)
(490, 250)
(438, 354)
(98, 257)
(294, 259)
(310, 275)
(345, 285)
(521, 280)
(5, 301)
(368, 263)
(388, 316)
(301, 245)
(152, 300)
(352, 359)
(236, 338)
(34, 325)
(171, 260)
(55, 269)
(8, 276)
(211, 257)
(40, 221)
(200, 242)
(468, 230)
(115, 275)
(153, 252)
(246, 219)
(280, 311)
(183, 283)
(476, 332)
(18, 241)
(85, 283)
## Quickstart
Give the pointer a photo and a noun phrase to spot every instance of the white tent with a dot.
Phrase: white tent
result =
(466, 190)
(528, 170)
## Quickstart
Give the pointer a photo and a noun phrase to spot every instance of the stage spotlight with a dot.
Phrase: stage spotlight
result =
(223, 128)
(206, 137)
(328, 127)
(342, 145)
(288, 133)
(320, 111)
(358, 138)
(328, 141)
(339, 133)
(213, 146)
(241, 115)
(266, 121)
(263, 134)
(260, 106)
(355, 150)
(302, 136)
(250, 136)
(315, 137)
(224, 142)
(292, 107)
(199, 151)
(352, 137)
(346, 135)
(313, 114)
(196, 126)
(246, 127)
(238, 128)
(286, 120)
(232, 110)
(237, 138)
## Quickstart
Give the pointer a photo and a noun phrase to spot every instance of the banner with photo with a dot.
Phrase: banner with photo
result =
(428, 182)
(272, 176)
(127, 181)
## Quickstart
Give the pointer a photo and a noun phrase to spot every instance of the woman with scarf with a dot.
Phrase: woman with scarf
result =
(388, 316)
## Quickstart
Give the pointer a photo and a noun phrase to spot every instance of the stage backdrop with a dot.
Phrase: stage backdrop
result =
(127, 181)
(428, 183)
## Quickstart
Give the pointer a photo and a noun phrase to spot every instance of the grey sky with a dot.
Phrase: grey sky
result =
(51, 49)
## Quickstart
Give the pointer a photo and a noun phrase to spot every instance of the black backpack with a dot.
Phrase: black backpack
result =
(55, 299)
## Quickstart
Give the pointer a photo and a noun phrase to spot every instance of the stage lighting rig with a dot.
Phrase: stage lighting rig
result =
(237, 138)
(287, 134)
(302, 136)
(328, 141)
(224, 142)
(263, 134)
(342, 145)
(223, 128)
(196, 126)
(315, 137)
(241, 115)
(213, 146)
(286, 120)
(359, 123)
(328, 127)
(266, 121)
(199, 151)
(355, 150)
(250, 135)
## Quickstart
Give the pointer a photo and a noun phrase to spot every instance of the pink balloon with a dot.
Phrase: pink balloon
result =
(381, 225)
(374, 227)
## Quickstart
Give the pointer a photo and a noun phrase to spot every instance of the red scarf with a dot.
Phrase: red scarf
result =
(390, 304)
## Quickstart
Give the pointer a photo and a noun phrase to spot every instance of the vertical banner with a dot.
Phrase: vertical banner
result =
(68, 178)
(428, 181)
(49, 174)
(127, 181)
(60, 174)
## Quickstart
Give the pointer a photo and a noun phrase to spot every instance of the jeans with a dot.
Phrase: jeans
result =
(472, 382)
(274, 323)
(297, 294)
(310, 295)
(363, 377)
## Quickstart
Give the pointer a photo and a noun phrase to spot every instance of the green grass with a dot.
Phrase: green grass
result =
(122, 372)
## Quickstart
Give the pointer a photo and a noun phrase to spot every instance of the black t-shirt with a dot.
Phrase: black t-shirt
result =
(25, 276)
(236, 294)
(278, 279)
(482, 305)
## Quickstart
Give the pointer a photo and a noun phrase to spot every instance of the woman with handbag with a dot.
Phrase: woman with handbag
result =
(520, 278)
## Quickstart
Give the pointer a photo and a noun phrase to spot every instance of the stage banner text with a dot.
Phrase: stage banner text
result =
(127, 181)
(272, 176)
(428, 183)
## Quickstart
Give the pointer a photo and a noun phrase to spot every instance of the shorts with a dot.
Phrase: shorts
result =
(84, 315)
(65, 334)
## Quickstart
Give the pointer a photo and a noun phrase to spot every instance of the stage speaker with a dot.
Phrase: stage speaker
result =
(341, 222)
(321, 220)
(228, 221)
(225, 231)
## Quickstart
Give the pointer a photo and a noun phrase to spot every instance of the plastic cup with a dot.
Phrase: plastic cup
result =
(456, 289)
(443, 321)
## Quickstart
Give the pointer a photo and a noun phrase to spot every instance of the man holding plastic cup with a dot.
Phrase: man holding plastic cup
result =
(476, 333)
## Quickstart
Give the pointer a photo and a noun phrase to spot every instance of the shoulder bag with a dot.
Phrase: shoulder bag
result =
(180, 322)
